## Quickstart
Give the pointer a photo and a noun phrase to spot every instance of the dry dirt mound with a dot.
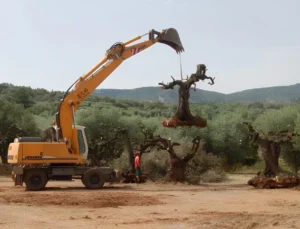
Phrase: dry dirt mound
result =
(270, 183)
(97, 199)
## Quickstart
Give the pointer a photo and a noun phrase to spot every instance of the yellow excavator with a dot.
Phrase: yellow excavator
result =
(36, 162)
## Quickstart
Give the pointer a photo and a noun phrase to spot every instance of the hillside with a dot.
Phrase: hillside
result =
(156, 93)
(278, 94)
(268, 94)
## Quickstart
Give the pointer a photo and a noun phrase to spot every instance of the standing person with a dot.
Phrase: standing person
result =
(137, 165)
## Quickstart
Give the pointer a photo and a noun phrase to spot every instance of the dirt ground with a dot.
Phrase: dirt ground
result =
(231, 204)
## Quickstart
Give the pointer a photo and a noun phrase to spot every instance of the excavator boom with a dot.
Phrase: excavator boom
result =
(86, 84)
(36, 161)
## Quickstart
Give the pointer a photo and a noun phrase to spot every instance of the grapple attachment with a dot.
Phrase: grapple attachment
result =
(169, 37)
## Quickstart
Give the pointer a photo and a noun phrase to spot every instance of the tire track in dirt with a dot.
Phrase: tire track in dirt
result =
(80, 199)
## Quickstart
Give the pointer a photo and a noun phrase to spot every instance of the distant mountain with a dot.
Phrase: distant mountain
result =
(268, 94)
(276, 94)
(156, 94)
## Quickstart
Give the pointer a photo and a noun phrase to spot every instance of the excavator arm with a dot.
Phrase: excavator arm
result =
(85, 85)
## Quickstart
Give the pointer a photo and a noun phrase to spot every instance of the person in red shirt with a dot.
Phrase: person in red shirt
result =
(137, 165)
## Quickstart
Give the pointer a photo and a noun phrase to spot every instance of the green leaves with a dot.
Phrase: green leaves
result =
(277, 120)
(33, 110)
(15, 121)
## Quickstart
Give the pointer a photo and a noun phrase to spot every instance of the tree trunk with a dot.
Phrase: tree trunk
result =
(176, 171)
(270, 152)
(177, 165)
(3, 158)
(296, 162)
(128, 147)
(183, 112)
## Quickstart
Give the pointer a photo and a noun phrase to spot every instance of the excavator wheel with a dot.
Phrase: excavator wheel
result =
(35, 179)
(93, 179)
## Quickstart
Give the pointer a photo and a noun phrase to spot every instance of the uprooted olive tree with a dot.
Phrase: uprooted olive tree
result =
(270, 146)
(183, 115)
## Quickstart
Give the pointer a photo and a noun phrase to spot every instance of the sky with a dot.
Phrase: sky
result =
(244, 44)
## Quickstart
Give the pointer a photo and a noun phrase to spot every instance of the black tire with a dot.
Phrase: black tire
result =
(93, 179)
(35, 179)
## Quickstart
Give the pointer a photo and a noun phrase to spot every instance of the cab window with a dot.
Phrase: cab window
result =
(81, 142)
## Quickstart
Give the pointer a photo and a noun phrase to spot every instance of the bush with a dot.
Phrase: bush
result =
(204, 168)
(156, 164)
(121, 163)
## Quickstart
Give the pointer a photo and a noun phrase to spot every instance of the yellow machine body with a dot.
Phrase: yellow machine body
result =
(33, 152)
(41, 152)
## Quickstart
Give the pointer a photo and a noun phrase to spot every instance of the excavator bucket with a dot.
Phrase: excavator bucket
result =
(169, 37)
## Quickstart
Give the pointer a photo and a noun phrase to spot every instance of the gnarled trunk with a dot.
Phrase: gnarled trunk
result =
(270, 152)
(128, 147)
(183, 115)
(177, 165)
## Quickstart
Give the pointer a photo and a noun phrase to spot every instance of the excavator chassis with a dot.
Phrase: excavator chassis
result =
(36, 178)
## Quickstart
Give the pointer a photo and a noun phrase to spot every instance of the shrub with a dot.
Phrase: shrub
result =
(156, 164)
(204, 168)
(121, 163)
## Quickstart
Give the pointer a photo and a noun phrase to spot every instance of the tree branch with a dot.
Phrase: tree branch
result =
(189, 157)
(175, 144)
(196, 78)
(158, 142)
(172, 84)
(194, 88)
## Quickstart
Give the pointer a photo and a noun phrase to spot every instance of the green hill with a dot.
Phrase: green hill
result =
(26, 95)
(156, 94)
(268, 94)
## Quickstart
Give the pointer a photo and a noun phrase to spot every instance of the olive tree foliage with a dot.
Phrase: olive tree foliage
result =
(275, 120)
(225, 135)
(15, 121)
(291, 152)
(229, 138)
(44, 109)
(102, 125)
(17, 94)
(283, 119)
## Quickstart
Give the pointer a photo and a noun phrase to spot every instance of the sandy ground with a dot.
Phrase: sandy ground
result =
(231, 204)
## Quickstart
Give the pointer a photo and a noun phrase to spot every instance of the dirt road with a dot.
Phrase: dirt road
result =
(232, 204)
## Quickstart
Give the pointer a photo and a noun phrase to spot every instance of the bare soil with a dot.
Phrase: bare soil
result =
(231, 204)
